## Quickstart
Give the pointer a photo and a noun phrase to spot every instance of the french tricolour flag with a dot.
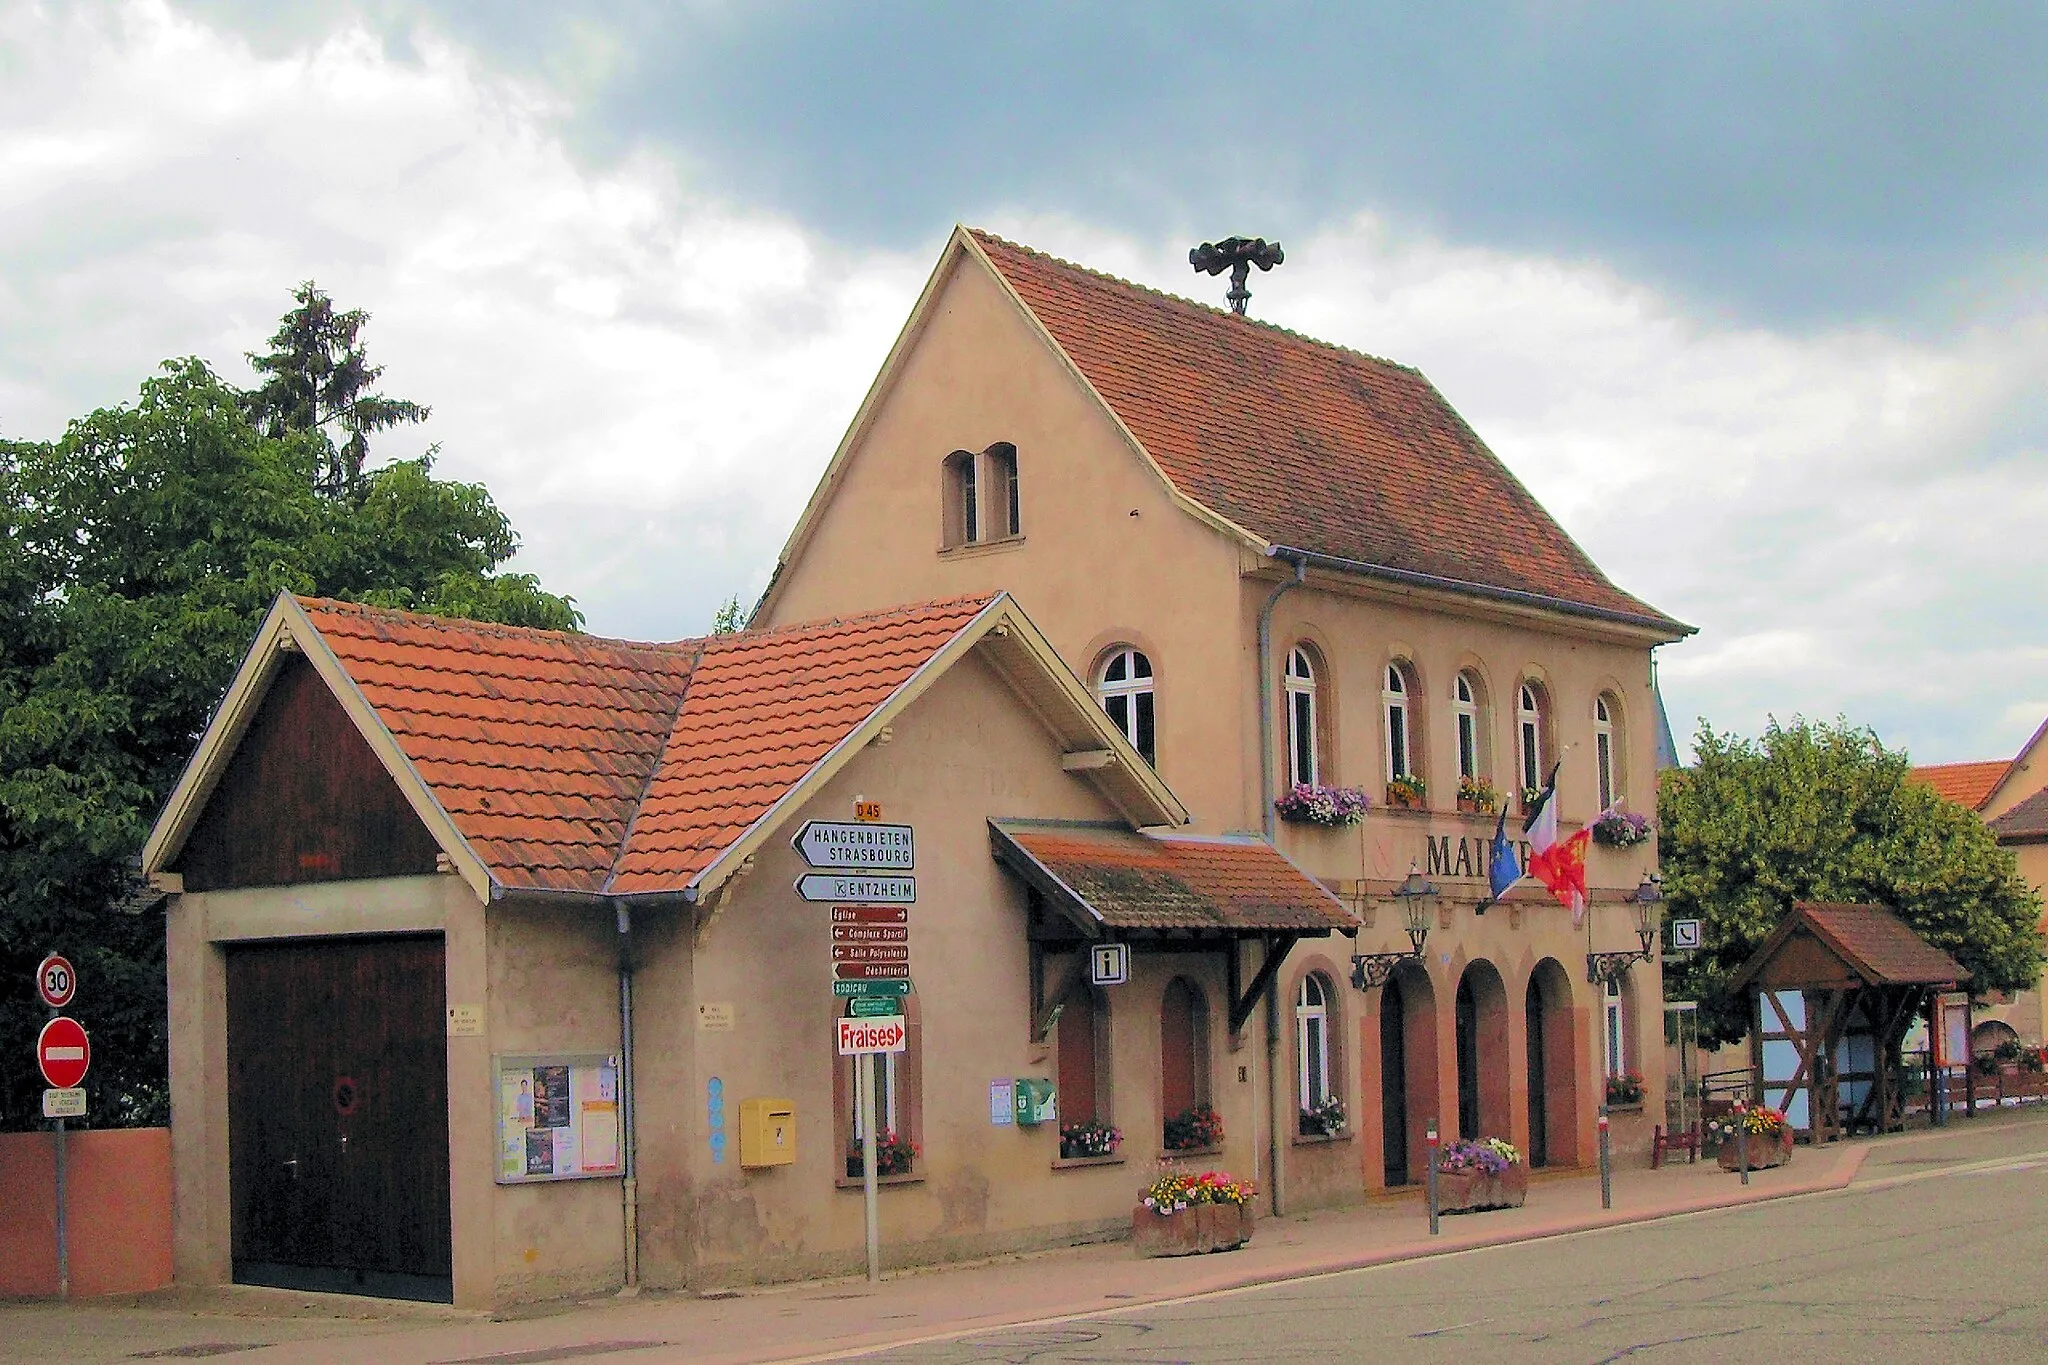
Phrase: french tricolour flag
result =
(1559, 865)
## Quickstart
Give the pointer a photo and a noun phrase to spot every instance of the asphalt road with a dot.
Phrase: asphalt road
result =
(1923, 1260)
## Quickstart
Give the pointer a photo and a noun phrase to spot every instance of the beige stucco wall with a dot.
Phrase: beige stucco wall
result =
(2027, 1011)
(963, 753)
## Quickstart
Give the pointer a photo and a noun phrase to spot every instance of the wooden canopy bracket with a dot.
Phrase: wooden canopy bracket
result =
(1046, 1012)
(1278, 946)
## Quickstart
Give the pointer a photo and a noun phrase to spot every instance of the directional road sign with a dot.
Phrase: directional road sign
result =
(857, 890)
(56, 982)
(872, 1035)
(888, 987)
(872, 952)
(870, 914)
(870, 971)
(64, 1053)
(871, 933)
(860, 845)
(875, 1006)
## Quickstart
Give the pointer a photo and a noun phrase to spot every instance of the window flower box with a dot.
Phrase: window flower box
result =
(1079, 1140)
(1323, 1120)
(1331, 807)
(1407, 792)
(894, 1155)
(1627, 1088)
(1192, 1130)
(1477, 796)
(1617, 828)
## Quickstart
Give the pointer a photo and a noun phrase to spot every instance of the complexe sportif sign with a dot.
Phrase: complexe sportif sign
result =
(872, 1035)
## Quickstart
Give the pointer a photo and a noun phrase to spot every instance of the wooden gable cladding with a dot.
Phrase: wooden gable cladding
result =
(304, 799)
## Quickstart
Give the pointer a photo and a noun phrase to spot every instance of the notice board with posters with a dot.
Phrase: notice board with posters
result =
(558, 1117)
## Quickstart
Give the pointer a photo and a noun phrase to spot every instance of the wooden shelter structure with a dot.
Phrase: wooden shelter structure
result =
(1835, 988)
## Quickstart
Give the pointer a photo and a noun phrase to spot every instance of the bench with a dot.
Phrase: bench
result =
(1663, 1143)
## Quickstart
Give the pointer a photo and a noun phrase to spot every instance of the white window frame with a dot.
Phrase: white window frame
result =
(888, 1089)
(1312, 1042)
(1465, 705)
(1614, 1029)
(1400, 748)
(1129, 688)
(1304, 762)
(1603, 751)
(1529, 735)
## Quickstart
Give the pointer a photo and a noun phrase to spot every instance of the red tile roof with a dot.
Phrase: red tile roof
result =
(1873, 942)
(1127, 880)
(1305, 444)
(2026, 823)
(570, 763)
(1966, 784)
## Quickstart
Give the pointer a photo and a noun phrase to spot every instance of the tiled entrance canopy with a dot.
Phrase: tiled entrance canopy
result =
(1114, 879)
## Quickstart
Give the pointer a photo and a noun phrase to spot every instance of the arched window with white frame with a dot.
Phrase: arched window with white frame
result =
(1399, 714)
(1604, 750)
(1465, 705)
(1312, 1044)
(1303, 765)
(1529, 727)
(1123, 684)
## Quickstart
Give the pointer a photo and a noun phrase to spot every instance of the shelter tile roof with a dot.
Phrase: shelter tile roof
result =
(1966, 784)
(2025, 823)
(570, 763)
(1875, 943)
(1128, 880)
(1305, 444)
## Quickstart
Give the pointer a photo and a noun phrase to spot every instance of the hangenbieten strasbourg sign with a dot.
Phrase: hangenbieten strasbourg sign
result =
(866, 847)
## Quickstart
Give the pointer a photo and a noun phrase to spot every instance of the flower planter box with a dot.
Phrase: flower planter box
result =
(1474, 1191)
(1196, 1229)
(1472, 805)
(1764, 1152)
(1399, 798)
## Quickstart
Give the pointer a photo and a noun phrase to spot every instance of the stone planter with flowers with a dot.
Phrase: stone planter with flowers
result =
(1475, 1176)
(1757, 1128)
(1187, 1215)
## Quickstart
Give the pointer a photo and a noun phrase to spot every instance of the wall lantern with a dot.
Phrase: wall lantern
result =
(1417, 897)
(1648, 898)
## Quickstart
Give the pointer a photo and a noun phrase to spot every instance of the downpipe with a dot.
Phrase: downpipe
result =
(630, 1187)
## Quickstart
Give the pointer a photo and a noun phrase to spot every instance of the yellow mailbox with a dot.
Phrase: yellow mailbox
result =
(767, 1132)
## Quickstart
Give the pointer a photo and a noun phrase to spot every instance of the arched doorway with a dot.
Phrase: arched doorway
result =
(1407, 1072)
(1481, 1010)
(1553, 1072)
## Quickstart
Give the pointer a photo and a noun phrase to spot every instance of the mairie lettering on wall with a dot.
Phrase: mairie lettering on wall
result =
(1388, 857)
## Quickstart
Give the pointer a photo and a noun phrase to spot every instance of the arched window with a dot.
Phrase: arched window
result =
(1529, 726)
(1400, 723)
(1124, 686)
(1002, 460)
(1303, 767)
(1608, 760)
(963, 499)
(1312, 1047)
(1465, 705)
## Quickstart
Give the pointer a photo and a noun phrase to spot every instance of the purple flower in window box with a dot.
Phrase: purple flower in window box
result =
(1617, 828)
(1334, 807)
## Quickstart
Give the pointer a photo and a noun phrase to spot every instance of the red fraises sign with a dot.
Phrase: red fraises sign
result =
(872, 1035)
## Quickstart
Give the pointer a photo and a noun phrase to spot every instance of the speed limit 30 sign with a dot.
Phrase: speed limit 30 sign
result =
(56, 982)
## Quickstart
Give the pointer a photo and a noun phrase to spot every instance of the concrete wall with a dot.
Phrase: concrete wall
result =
(118, 1198)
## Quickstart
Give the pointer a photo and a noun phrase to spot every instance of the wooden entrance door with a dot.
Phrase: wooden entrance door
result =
(338, 1116)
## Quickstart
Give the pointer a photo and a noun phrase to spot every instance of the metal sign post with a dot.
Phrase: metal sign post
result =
(1606, 1164)
(1430, 1142)
(64, 1054)
(864, 1071)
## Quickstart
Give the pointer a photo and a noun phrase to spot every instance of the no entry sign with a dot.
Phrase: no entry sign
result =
(56, 983)
(64, 1053)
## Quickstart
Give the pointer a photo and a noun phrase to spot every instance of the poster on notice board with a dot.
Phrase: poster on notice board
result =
(558, 1117)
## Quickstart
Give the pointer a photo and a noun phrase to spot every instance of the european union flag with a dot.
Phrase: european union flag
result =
(1503, 869)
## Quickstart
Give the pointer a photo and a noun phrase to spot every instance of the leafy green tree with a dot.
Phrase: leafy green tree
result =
(317, 379)
(137, 556)
(731, 618)
(1824, 813)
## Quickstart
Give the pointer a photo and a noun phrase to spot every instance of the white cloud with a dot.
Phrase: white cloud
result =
(650, 377)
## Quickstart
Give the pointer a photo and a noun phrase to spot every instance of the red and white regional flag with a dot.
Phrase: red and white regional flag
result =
(1559, 865)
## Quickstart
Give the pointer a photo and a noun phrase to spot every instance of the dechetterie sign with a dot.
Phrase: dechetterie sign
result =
(872, 1035)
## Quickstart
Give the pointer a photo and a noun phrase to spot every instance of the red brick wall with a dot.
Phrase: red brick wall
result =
(119, 1192)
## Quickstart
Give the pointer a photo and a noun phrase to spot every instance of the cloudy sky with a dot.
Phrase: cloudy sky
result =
(1753, 296)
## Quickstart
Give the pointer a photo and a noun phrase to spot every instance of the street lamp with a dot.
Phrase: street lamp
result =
(1417, 897)
(1648, 899)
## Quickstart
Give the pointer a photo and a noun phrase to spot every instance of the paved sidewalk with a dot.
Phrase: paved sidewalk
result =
(820, 1320)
